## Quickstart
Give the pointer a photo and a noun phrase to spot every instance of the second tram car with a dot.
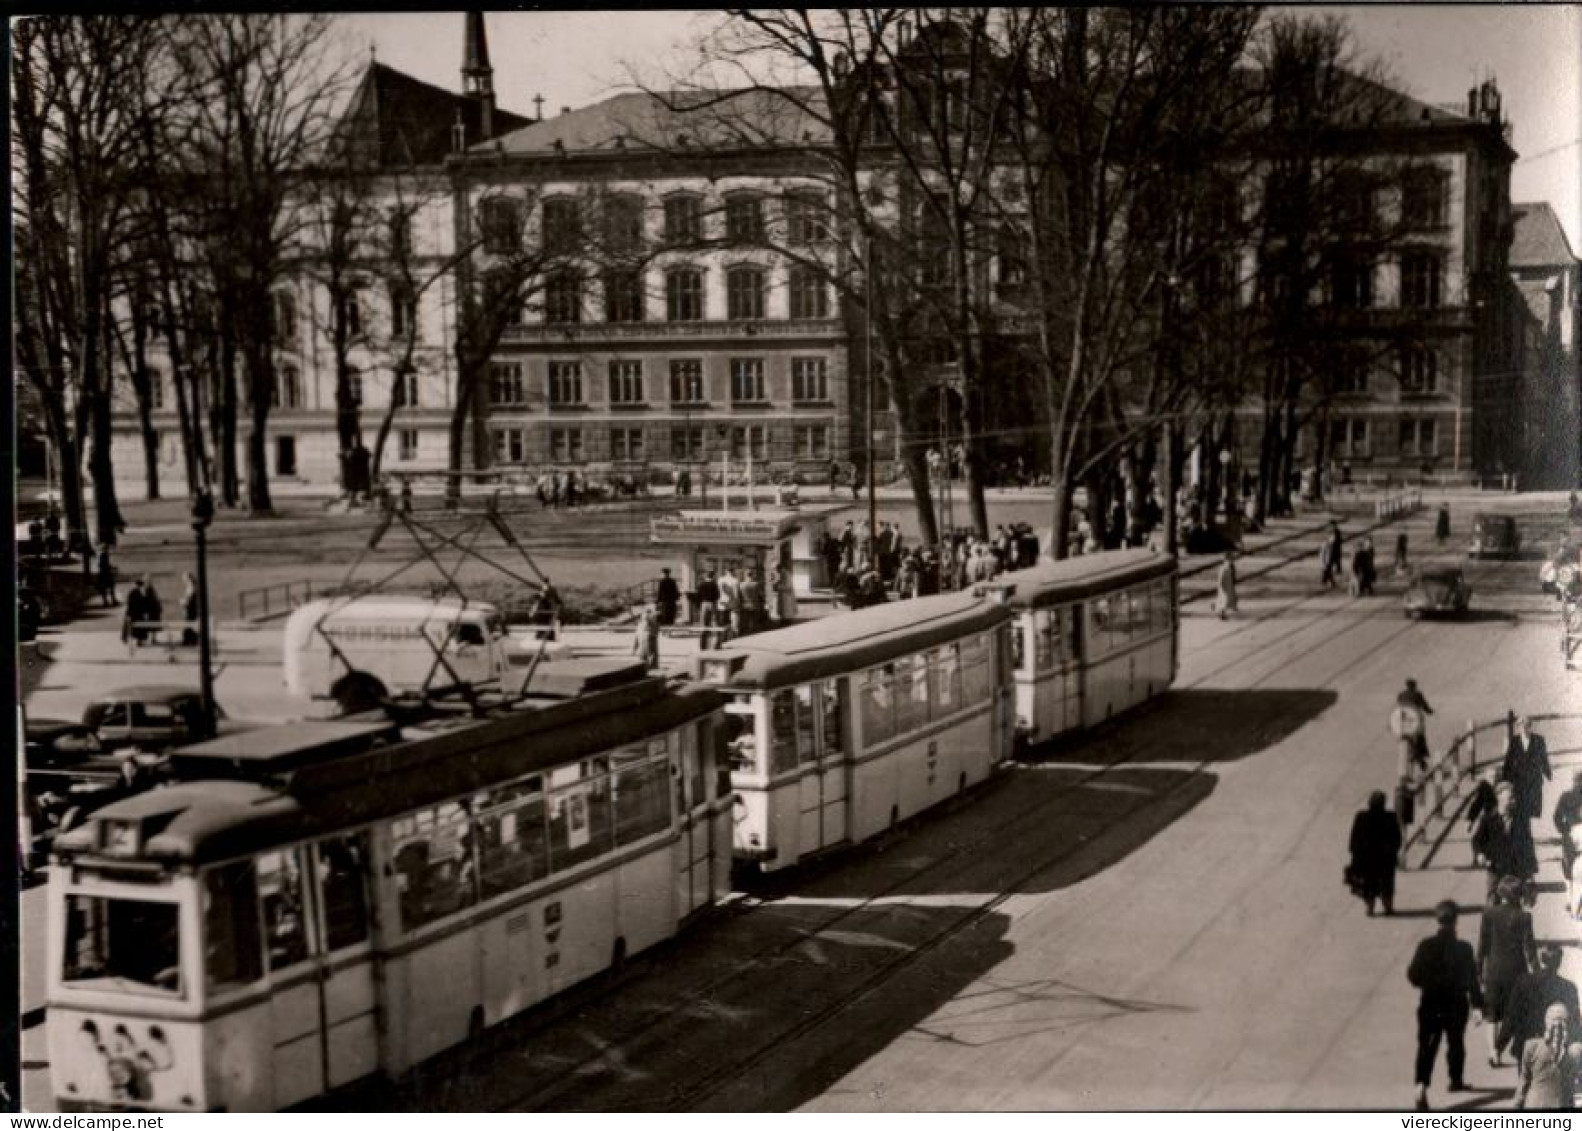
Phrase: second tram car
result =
(1095, 636)
(849, 724)
(345, 898)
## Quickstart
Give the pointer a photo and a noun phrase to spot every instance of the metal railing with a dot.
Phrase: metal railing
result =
(1439, 783)
(275, 600)
(1571, 633)
(1403, 502)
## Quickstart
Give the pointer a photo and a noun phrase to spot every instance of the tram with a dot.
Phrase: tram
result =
(1095, 636)
(847, 725)
(342, 898)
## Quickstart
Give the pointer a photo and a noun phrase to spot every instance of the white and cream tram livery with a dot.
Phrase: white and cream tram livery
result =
(846, 725)
(348, 897)
(1095, 636)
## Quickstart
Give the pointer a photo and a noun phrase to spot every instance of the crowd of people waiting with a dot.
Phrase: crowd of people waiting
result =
(869, 571)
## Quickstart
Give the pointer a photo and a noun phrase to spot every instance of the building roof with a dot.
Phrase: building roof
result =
(394, 119)
(1539, 241)
(671, 121)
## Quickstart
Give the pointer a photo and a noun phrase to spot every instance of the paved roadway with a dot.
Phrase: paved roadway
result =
(1150, 918)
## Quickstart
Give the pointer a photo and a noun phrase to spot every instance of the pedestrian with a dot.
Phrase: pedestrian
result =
(1413, 730)
(708, 598)
(406, 496)
(1329, 557)
(1505, 841)
(1367, 572)
(1568, 823)
(1401, 567)
(1532, 998)
(153, 608)
(749, 605)
(132, 630)
(730, 597)
(1526, 767)
(1445, 973)
(1483, 801)
(1442, 525)
(1549, 1066)
(645, 642)
(189, 610)
(784, 586)
(1506, 955)
(546, 609)
(106, 578)
(667, 597)
(1375, 844)
(1225, 586)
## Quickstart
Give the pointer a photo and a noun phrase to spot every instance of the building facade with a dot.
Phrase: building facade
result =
(1547, 280)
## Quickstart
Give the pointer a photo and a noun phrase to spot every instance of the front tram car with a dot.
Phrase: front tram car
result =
(338, 899)
(844, 726)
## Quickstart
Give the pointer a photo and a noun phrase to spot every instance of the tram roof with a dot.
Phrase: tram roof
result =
(831, 645)
(197, 822)
(1054, 582)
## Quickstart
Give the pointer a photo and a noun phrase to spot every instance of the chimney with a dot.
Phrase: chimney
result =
(477, 76)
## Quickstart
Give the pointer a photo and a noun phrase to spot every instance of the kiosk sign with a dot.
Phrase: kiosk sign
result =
(704, 526)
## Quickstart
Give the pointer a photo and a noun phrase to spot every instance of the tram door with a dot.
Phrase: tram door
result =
(696, 881)
(349, 993)
(830, 712)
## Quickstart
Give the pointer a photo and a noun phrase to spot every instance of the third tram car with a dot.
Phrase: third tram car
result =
(344, 898)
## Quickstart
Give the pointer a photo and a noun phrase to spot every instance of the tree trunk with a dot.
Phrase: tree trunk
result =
(1169, 480)
(224, 411)
(259, 382)
(145, 402)
(465, 390)
(1060, 513)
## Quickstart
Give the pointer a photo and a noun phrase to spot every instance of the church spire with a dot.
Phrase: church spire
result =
(477, 76)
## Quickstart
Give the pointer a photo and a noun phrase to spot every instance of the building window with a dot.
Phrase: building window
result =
(623, 296)
(562, 226)
(400, 232)
(352, 313)
(508, 446)
(686, 444)
(683, 220)
(811, 441)
(403, 311)
(749, 441)
(809, 296)
(1419, 438)
(565, 445)
(354, 384)
(501, 224)
(626, 382)
(1423, 198)
(809, 379)
(744, 218)
(506, 386)
(1351, 282)
(626, 443)
(500, 297)
(1419, 369)
(1350, 374)
(1420, 275)
(805, 217)
(933, 241)
(686, 382)
(1348, 438)
(285, 320)
(563, 298)
(684, 295)
(744, 293)
(404, 390)
(747, 380)
(1010, 257)
(565, 382)
(156, 388)
(288, 387)
(623, 223)
(1353, 203)
(406, 441)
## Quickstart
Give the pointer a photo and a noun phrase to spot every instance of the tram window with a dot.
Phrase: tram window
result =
(834, 718)
(693, 758)
(514, 845)
(280, 900)
(1099, 637)
(878, 709)
(782, 732)
(434, 871)
(946, 673)
(1138, 600)
(580, 821)
(975, 674)
(642, 800)
(343, 868)
(125, 944)
(231, 952)
(911, 693)
(1048, 637)
(806, 707)
(741, 737)
(1162, 605)
(1019, 644)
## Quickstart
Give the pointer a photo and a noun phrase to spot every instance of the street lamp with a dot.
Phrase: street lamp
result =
(202, 515)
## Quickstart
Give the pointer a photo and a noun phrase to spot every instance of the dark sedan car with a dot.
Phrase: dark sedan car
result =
(1495, 536)
(1438, 592)
(153, 717)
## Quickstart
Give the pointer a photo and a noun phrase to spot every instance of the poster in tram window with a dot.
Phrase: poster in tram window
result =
(577, 819)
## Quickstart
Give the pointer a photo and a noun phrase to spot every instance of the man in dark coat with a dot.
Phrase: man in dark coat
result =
(1568, 823)
(1533, 995)
(1527, 768)
(1375, 844)
(667, 595)
(1505, 841)
(1446, 976)
(1412, 698)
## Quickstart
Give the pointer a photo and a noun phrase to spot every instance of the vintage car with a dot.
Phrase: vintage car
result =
(1495, 536)
(150, 718)
(1438, 592)
(70, 773)
(1562, 570)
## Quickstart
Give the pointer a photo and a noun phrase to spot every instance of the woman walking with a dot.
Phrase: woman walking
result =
(1225, 586)
(1549, 1066)
(1506, 953)
(1375, 844)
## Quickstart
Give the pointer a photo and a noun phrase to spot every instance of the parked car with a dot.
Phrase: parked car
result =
(151, 718)
(1563, 568)
(1495, 536)
(1438, 592)
(70, 773)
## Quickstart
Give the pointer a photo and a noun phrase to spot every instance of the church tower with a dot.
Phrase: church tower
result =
(477, 76)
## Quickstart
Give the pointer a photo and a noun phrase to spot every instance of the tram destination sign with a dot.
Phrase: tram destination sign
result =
(723, 526)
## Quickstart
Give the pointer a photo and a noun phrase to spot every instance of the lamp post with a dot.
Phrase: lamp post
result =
(202, 514)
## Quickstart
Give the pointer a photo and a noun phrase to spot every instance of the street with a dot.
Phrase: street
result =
(1151, 916)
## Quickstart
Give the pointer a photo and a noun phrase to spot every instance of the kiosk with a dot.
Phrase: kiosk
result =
(759, 543)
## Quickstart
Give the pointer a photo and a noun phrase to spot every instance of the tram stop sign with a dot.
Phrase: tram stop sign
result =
(1406, 722)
